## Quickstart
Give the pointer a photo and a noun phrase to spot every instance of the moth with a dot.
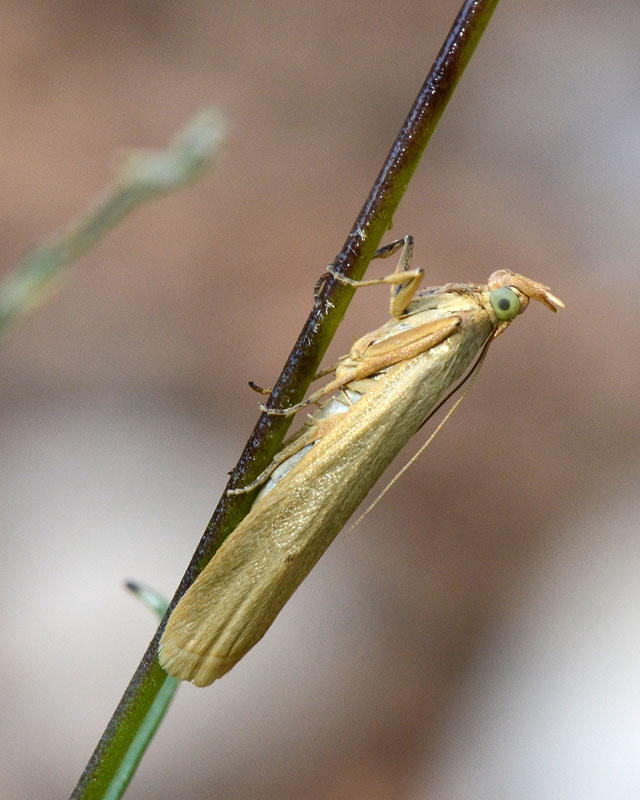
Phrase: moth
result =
(381, 394)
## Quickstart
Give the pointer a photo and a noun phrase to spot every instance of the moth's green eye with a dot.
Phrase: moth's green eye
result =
(505, 302)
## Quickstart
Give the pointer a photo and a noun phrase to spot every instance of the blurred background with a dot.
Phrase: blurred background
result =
(478, 635)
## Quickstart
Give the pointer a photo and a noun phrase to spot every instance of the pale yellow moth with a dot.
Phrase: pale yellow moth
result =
(383, 391)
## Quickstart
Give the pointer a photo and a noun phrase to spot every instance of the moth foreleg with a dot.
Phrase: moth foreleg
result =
(404, 280)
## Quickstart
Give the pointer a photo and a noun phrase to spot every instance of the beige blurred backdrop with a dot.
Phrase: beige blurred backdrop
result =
(478, 635)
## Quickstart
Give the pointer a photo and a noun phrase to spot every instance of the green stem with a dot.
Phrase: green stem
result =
(372, 222)
(126, 770)
(143, 176)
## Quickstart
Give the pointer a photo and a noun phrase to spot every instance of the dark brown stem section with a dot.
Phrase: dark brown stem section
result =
(371, 224)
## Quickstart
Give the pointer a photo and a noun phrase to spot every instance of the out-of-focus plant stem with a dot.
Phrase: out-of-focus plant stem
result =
(143, 175)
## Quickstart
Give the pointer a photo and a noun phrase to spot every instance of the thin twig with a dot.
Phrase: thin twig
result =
(143, 175)
(372, 222)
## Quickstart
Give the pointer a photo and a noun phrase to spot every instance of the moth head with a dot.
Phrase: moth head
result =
(509, 295)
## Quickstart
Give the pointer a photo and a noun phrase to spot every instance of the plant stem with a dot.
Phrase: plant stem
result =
(143, 175)
(127, 767)
(371, 224)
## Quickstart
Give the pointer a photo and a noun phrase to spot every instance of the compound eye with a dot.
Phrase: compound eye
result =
(505, 303)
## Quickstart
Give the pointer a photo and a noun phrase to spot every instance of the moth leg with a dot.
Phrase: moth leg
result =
(308, 401)
(424, 337)
(362, 386)
(321, 373)
(402, 293)
(381, 355)
(259, 389)
(344, 398)
(389, 249)
(401, 347)
(308, 436)
(404, 280)
(382, 252)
